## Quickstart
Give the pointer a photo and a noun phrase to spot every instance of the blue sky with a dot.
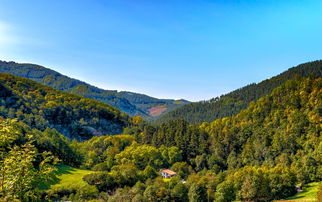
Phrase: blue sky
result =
(164, 48)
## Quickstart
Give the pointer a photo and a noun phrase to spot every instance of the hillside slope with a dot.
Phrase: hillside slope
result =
(260, 154)
(232, 103)
(41, 106)
(129, 102)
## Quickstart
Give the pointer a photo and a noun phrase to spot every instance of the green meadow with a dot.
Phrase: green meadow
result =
(309, 193)
(67, 177)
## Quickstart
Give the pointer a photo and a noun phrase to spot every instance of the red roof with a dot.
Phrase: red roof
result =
(170, 172)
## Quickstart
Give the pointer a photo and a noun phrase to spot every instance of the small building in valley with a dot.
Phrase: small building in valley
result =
(166, 173)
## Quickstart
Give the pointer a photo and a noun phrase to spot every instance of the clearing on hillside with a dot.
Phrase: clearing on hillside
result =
(67, 178)
(309, 194)
(157, 110)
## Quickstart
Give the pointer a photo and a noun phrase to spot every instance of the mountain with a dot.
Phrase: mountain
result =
(232, 103)
(260, 154)
(43, 107)
(129, 102)
(281, 127)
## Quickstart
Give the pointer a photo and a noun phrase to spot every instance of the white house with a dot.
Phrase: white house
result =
(166, 173)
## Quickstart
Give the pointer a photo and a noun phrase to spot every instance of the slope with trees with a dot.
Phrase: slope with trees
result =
(232, 103)
(129, 102)
(259, 154)
(41, 107)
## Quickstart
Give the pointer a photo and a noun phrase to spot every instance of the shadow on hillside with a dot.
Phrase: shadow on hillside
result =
(51, 180)
(63, 169)
(305, 190)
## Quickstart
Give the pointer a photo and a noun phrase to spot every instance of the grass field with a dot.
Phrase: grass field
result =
(308, 195)
(67, 177)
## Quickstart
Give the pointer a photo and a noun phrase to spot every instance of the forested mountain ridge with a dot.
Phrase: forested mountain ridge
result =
(41, 106)
(263, 151)
(232, 103)
(260, 154)
(129, 102)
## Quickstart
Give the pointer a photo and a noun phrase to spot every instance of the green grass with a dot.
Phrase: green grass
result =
(309, 193)
(67, 177)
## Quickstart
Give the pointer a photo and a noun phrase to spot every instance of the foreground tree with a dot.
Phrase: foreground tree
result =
(21, 171)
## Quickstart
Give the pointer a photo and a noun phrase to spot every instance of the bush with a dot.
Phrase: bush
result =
(60, 193)
(87, 192)
(103, 181)
(101, 167)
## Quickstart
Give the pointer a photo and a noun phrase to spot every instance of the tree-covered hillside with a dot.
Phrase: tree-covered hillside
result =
(129, 102)
(260, 154)
(40, 107)
(232, 103)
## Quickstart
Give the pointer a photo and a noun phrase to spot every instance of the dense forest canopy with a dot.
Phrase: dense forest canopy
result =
(41, 106)
(232, 103)
(259, 154)
(129, 102)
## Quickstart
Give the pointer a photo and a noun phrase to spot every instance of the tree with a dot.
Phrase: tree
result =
(149, 172)
(182, 169)
(225, 192)
(22, 168)
(197, 193)
(86, 192)
(180, 192)
(150, 193)
(171, 154)
(126, 174)
(103, 181)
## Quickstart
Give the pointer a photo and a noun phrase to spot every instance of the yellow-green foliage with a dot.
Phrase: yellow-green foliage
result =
(41, 106)
(281, 128)
(19, 176)
(104, 148)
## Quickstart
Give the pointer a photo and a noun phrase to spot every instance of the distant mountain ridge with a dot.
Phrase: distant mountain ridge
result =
(129, 102)
(235, 101)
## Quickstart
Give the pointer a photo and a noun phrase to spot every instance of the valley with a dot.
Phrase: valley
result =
(60, 145)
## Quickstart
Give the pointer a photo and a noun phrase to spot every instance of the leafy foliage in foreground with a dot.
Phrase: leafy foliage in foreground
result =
(232, 103)
(40, 107)
(22, 167)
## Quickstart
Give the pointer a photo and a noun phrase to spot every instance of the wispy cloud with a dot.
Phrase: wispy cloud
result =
(15, 44)
(7, 36)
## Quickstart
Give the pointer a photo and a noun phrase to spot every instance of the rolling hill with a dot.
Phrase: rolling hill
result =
(232, 103)
(129, 102)
(259, 154)
(43, 107)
